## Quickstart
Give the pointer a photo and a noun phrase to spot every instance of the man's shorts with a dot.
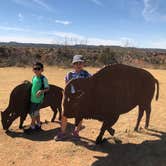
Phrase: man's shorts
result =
(34, 110)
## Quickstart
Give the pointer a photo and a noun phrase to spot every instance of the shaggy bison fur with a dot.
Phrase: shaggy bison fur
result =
(112, 91)
(19, 103)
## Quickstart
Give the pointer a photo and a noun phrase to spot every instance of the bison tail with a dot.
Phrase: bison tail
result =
(157, 94)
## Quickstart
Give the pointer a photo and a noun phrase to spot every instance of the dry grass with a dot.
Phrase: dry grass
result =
(143, 148)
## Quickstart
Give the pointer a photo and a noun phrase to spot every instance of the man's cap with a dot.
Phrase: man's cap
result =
(77, 58)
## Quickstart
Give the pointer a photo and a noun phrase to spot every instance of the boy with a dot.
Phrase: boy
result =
(78, 72)
(39, 87)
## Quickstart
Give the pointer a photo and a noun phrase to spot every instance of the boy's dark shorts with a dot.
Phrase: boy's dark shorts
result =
(34, 110)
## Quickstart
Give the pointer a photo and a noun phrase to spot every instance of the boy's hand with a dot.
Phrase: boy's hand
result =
(39, 93)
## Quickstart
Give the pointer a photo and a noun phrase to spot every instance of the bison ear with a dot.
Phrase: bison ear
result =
(72, 90)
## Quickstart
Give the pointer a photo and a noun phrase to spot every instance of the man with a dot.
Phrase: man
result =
(78, 72)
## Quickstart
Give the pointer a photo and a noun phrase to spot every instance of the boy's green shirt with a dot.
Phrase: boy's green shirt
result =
(36, 86)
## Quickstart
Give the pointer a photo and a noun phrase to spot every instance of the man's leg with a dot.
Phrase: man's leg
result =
(77, 129)
(63, 124)
(61, 135)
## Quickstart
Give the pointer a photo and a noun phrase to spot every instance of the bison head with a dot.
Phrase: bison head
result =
(7, 118)
(73, 97)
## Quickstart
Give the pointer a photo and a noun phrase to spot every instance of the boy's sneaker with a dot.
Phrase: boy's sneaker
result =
(38, 128)
(60, 137)
(29, 130)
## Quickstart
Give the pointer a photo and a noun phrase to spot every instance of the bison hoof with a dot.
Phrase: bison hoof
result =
(20, 127)
(111, 131)
(136, 129)
(117, 140)
(100, 141)
(52, 120)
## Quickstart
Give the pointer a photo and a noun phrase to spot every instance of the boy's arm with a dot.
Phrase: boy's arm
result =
(46, 85)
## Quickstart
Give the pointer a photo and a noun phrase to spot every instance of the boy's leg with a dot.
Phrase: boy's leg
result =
(32, 114)
(38, 120)
(33, 118)
(37, 115)
(32, 126)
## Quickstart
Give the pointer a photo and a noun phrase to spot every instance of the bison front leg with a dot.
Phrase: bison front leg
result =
(102, 131)
(111, 131)
(107, 126)
(22, 119)
(60, 112)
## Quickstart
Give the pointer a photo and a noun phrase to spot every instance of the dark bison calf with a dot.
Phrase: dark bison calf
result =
(112, 91)
(19, 103)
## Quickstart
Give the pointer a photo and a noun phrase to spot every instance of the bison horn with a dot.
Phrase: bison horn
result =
(73, 89)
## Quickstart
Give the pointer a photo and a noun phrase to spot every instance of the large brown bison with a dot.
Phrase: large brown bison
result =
(19, 103)
(112, 91)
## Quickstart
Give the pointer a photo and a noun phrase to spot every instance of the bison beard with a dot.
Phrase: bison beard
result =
(20, 101)
(110, 92)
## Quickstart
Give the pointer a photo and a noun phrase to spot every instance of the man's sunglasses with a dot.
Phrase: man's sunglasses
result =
(37, 68)
(78, 63)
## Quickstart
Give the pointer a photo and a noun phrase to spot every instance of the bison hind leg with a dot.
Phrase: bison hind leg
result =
(22, 119)
(148, 111)
(140, 114)
(54, 109)
(142, 108)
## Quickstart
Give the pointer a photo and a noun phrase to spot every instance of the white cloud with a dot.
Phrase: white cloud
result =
(149, 10)
(64, 37)
(98, 41)
(68, 35)
(128, 42)
(20, 17)
(153, 10)
(97, 2)
(31, 3)
(5, 28)
(157, 44)
(63, 22)
(26, 39)
(42, 4)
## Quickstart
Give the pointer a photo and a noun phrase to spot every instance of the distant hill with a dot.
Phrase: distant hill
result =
(24, 54)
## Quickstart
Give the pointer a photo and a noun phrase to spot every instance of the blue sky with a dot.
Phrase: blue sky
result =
(138, 23)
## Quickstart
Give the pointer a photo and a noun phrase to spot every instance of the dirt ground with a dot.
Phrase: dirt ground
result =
(143, 148)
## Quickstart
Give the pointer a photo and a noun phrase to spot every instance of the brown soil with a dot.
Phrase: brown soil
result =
(144, 148)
